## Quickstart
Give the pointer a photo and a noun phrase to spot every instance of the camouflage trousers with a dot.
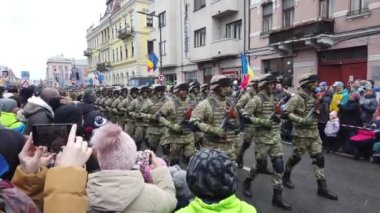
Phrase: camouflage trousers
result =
(199, 137)
(314, 147)
(131, 126)
(155, 136)
(229, 147)
(246, 138)
(140, 136)
(181, 144)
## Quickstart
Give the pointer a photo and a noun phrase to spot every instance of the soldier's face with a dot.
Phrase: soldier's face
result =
(269, 87)
(196, 90)
(159, 94)
(124, 94)
(134, 95)
(206, 91)
(224, 91)
(182, 94)
(144, 94)
(116, 95)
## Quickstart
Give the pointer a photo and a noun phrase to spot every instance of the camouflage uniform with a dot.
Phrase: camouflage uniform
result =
(194, 100)
(138, 109)
(115, 103)
(205, 88)
(107, 105)
(103, 100)
(259, 111)
(305, 134)
(128, 119)
(155, 130)
(209, 115)
(122, 108)
(179, 134)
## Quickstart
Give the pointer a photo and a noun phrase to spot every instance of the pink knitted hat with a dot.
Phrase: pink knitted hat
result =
(115, 149)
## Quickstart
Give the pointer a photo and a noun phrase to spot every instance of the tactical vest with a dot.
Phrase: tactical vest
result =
(265, 110)
(181, 107)
(219, 110)
(157, 104)
(142, 108)
(193, 100)
(303, 109)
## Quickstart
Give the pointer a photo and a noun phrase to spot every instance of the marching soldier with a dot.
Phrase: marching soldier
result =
(217, 118)
(249, 128)
(205, 88)
(103, 100)
(176, 113)
(300, 109)
(115, 103)
(124, 105)
(155, 130)
(108, 102)
(98, 97)
(138, 109)
(261, 111)
(194, 100)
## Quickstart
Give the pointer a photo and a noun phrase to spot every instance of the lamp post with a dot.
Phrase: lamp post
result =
(160, 28)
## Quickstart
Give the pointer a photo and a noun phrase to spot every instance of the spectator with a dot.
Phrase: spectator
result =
(1, 92)
(279, 92)
(355, 86)
(331, 130)
(368, 105)
(8, 118)
(340, 96)
(94, 120)
(10, 91)
(25, 94)
(183, 193)
(10, 146)
(116, 177)
(87, 104)
(40, 110)
(349, 115)
(324, 109)
(212, 178)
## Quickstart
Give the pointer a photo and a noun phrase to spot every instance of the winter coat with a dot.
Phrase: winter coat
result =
(9, 120)
(228, 205)
(125, 191)
(368, 106)
(325, 106)
(342, 97)
(350, 114)
(86, 108)
(37, 111)
(332, 127)
(11, 143)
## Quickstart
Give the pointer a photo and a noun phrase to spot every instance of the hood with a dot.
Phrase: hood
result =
(114, 190)
(34, 105)
(230, 204)
(7, 119)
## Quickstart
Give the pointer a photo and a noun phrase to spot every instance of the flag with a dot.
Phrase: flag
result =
(152, 62)
(246, 71)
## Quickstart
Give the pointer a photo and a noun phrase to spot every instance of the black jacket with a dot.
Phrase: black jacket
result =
(350, 113)
(325, 106)
(11, 143)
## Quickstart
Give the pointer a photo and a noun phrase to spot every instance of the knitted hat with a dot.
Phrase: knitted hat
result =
(115, 149)
(7, 104)
(355, 96)
(179, 179)
(211, 175)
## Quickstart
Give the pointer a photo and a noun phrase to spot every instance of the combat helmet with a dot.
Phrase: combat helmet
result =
(193, 85)
(266, 78)
(157, 87)
(205, 87)
(219, 80)
(308, 78)
(182, 86)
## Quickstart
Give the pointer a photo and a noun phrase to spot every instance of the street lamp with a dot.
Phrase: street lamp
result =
(159, 26)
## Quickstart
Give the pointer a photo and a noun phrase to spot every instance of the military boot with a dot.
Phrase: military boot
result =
(262, 167)
(286, 181)
(247, 187)
(278, 201)
(324, 192)
(239, 161)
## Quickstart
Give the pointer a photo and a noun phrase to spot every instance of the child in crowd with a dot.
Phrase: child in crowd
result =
(331, 131)
(8, 118)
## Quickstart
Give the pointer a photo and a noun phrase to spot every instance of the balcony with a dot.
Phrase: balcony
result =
(103, 66)
(310, 29)
(125, 33)
(87, 52)
(222, 8)
(226, 47)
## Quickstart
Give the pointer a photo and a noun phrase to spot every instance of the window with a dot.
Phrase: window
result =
(132, 49)
(288, 12)
(150, 45)
(163, 48)
(199, 4)
(117, 54)
(359, 6)
(233, 30)
(200, 37)
(112, 33)
(207, 74)
(190, 76)
(162, 19)
(149, 21)
(267, 18)
(283, 67)
(324, 8)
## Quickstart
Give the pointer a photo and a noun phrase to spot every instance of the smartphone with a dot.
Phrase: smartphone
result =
(143, 159)
(53, 136)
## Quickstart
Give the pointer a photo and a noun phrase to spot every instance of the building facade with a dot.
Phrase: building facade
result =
(337, 39)
(62, 72)
(117, 46)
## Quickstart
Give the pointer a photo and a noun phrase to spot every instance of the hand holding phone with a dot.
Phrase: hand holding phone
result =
(52, 136)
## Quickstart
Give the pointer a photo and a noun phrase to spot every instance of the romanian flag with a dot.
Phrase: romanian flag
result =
(247, 72)
(152, 62)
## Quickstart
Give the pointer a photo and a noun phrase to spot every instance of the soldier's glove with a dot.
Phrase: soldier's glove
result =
(163, 121)
(266, 123)
(306, 121)
(176, 128)
(247, 119)
(216, 131)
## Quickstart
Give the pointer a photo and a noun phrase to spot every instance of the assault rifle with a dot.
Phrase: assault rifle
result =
(231, 112)
(316, 105)
(273, 116)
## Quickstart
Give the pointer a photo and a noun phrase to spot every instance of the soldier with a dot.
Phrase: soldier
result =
(217, 118)
(249, 128)
(261, 112)
(122, 107)
(108, 103)
(104, 98)
(176, 113)
(300, 110)
(194, 100)
(115, 103)
(128, 119)
(205, 88)
(138, 109)
(155, 130)
(98, 97)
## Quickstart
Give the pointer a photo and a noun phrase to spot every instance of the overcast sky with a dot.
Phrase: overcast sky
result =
(31, 31)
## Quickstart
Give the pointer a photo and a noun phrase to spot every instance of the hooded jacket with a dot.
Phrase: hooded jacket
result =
(368, 106)
(125, 191)
(37, 111)
(341, 97)
(229, 205)
(9, 120)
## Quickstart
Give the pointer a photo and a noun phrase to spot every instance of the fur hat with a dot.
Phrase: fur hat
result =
(115, 149)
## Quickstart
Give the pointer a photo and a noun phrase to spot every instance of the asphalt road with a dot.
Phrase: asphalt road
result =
(357, 184)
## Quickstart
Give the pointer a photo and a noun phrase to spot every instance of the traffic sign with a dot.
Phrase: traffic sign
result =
(25, 83)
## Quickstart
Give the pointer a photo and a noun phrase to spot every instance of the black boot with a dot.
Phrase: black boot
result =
(239, 161)
(286, 181)
(324, 192)
(262, 167)
(279, 201)
(247, 187)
